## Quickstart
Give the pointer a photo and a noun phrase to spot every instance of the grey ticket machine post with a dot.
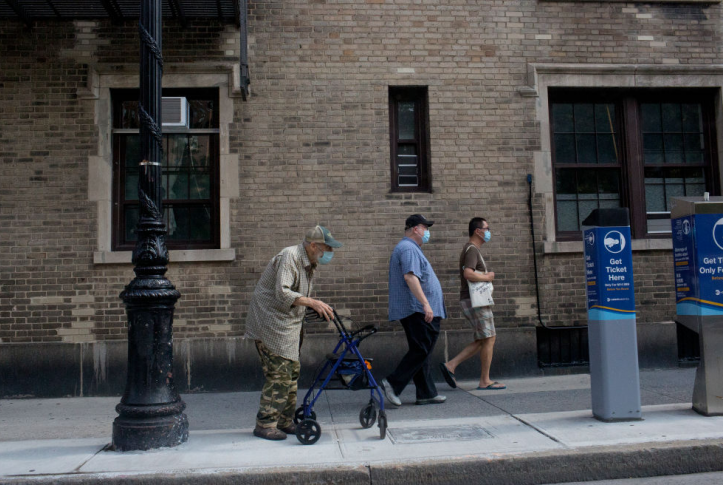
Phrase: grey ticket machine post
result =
(612, 333)
(697, 226)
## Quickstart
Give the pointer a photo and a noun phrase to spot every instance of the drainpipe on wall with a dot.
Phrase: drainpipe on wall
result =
(244, 57)
(559, 346)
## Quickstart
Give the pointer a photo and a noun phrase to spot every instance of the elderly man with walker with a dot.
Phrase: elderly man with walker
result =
(274, 322)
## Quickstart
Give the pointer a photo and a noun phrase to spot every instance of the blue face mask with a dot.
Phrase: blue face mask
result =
(488, 236)
(326, 257)
(425, 238)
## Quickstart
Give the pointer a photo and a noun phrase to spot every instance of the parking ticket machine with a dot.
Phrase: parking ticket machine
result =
(612, 332)
(697, 230)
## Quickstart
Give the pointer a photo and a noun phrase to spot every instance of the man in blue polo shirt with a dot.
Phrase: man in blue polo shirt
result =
(415, 299)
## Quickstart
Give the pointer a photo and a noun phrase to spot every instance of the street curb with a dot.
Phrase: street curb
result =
(342, 475)
(586, 464)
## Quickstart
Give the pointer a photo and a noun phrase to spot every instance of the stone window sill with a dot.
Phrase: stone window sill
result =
(561, 247)
(181, 256)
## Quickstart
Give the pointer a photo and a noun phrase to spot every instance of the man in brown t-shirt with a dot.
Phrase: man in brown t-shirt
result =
(472, 268)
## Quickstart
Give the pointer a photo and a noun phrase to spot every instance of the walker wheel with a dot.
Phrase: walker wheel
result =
(367, 416)
(299, 415)
(308, 432)
(382, 424)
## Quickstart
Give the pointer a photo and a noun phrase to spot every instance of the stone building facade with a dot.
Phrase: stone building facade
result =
(313, 143)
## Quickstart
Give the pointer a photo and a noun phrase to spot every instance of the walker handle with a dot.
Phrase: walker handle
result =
(339, 324)
(369, 328)
(372, 329)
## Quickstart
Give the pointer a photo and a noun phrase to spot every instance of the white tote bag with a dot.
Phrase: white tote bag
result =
(480, 292)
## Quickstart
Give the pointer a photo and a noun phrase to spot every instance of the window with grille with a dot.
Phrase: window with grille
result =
(409, 137)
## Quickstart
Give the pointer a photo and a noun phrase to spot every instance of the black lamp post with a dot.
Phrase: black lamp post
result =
(150, 411)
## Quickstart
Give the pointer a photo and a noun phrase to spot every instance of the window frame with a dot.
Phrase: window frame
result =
(420, 96)
(628, 108)
(118, 242)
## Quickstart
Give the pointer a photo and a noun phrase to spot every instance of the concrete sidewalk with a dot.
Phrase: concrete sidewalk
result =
(539, 430)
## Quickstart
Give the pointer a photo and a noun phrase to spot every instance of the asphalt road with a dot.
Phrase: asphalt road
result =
(696, 479)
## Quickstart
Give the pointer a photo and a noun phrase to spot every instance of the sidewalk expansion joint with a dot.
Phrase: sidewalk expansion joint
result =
(530, 425)
(540, 431)
(337, 438)
(105, 448)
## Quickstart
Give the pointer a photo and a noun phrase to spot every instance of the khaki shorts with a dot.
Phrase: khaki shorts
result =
(480, 318)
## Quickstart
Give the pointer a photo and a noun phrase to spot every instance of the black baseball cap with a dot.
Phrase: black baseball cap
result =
(415, 220)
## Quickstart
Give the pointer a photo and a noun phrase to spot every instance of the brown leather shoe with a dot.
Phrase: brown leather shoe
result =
(269, 433)
(290, 429)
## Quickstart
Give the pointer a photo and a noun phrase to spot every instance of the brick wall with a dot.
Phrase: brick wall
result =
(46, 283)
(313, 148)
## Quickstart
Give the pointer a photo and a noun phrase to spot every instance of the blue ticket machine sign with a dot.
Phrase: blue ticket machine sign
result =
(698, 264)
(609, 273)
(612, 333)
(697, 231)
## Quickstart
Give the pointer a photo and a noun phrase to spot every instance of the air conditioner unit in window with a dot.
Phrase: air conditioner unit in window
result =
(174, 111)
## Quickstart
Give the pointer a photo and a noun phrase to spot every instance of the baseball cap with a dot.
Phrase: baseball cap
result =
(320, 234)
(415, 220)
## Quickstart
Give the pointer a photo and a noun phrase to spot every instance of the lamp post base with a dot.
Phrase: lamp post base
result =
(134, 434)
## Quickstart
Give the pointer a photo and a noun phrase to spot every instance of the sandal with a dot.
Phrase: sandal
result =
(495, 386)
(448, 376)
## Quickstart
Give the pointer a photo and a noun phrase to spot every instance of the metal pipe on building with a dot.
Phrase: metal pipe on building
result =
(244, 56)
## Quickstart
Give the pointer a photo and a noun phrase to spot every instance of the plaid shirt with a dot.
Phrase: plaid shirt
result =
(272, 318)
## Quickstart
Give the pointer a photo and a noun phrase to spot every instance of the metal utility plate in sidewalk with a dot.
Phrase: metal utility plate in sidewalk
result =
(660, 423)
(443, 438)
(438, 434)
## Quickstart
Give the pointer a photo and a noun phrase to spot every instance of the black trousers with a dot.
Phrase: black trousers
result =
(421, 337)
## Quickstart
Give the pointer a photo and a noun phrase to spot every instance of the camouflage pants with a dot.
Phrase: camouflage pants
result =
(278, 396)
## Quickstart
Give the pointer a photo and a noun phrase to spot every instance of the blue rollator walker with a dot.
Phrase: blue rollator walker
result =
(352, 372)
